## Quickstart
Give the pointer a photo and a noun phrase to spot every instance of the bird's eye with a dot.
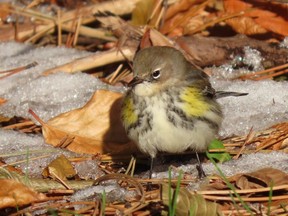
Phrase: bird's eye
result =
(156, 74)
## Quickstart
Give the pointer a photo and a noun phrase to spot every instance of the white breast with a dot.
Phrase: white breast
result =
(166, 137)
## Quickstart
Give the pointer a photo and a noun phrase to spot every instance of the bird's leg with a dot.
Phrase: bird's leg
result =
(201, 173)
(151, 167)
(149, 184)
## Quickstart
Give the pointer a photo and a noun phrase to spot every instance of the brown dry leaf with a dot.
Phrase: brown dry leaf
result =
(189, 204)
(274, 24)
(245, 25)
(15, 194)
(145, 40)
(142, 12)
(262, 178)
(4, 11)
(195, 23)
(258, 179)
(269, 15)
(186, 13)
(170, 26)
(284, 144)
(4, 119)
(159, 39)
(218, 184)
(92, 129)
(62, 167)
(178, 7)
(2, 101)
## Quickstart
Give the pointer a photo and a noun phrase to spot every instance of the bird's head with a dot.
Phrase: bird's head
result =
(157, 68)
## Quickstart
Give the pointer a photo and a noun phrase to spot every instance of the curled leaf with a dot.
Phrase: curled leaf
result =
(262, 178)
(95, 128)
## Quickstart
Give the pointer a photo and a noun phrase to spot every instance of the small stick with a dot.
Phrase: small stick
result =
(114, 74)
(264, 71)
(155, 9)
(246, 199)
(59, 27)
(249, 138)
(19, 125)
(95, 60)
(16, 70)
(77, 31)
(271, 75)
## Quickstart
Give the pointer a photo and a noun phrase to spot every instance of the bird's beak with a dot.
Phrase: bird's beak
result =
(136, 80)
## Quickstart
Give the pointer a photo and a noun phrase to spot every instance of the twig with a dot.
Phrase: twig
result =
(76, 36)
(93, 61)
(24, 161)
(25, 153)
(19, 125)
(155, 9)
(246, 191)
(255, 74)
(213, 22)
(36, 117)
(246, 199)
(17, 70)
(112, 77)
(59, 27)
(269, 76)
(115, 7)
(249, 138)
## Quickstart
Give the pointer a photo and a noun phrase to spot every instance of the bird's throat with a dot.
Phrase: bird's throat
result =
(146, 89)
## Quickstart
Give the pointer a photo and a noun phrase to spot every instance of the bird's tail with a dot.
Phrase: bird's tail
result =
(220, 94)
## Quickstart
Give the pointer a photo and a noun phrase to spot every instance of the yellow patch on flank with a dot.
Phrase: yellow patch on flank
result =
(194, 103)
(128, 112)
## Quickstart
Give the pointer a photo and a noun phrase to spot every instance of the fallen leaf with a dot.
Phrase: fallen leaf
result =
(95, 128)
(159, 39)
(268, 15)
(246, 25)
(196, 22)
(4, 119)
(2, 101)
(258, 179)
(145, 40)
(262, 178)
(172, 24)
(4, 11)
(143, 11)
(15, 194)
(178, 7)
(188, 203)
(284, 144)
(274, 24)
(187, 12)
(62, 167)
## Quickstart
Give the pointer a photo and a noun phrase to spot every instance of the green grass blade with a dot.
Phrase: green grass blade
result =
(103, 204)
(230, 185)
(27, 167)
(176, 193)
(170, 191)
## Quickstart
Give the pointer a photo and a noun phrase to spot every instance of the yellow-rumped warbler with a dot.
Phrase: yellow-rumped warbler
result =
(171, 106)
